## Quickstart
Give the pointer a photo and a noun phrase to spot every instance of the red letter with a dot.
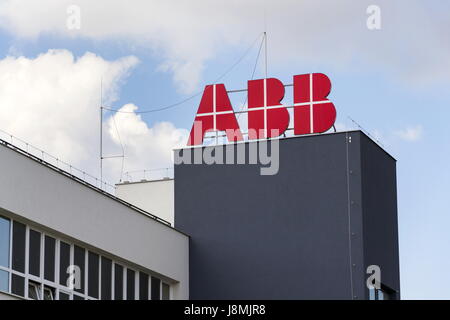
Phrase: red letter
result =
(215, 113)
(313, 112)
(269, 118)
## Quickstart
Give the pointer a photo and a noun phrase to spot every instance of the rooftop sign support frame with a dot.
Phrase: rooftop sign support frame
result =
(312, 112)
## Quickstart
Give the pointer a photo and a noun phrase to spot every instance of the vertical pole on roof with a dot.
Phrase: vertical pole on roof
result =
(101, 133)
(265, 51)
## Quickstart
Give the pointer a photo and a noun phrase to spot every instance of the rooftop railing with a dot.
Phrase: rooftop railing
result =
(56, 162)
(68, 170)
(148, 175)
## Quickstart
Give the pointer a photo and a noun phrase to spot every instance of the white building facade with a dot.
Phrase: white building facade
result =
(61, 238)
(155, 196)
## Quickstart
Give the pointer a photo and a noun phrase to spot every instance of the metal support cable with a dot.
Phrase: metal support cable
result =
(191, 97)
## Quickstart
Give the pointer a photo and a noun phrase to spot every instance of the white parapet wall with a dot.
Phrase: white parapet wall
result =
(156, 197)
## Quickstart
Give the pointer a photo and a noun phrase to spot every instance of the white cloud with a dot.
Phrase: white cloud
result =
(53, 99)
(145, 147)
(410, 134)
(52, 102)
(186, 34)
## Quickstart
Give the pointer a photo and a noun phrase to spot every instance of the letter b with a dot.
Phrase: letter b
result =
(267, 117)
(313, 112)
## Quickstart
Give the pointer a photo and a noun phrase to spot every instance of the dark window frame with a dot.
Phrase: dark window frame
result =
(93, 272)
(18, 247)
(34, 252)
(48, 258)
(118, 285)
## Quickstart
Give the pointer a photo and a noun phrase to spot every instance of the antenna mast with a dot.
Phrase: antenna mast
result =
(265, 51)
(122, 156)
(265, 36)
(101, 133)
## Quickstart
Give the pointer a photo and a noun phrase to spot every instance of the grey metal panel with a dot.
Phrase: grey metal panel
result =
(269, 237)
(379, 187)
(355, 215)
(294, 235)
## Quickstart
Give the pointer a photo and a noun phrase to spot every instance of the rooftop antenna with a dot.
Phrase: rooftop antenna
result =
(265, 52)
(265, 71)
(101, 132)
(265, 36)
(122, 156)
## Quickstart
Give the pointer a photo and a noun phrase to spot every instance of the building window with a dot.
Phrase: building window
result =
(34, 290)
(35, 266)
(79, 260)
(49, 293)
(106, 278)
(64, 295)
(384, 293)
(156, 288)
(49, 258)
(118, 282)
(5, 228)
(64, 262)
(4, 281)
(143, 286)
(93, 273)
(131, 282)
(18, 247)
(18, 285)
(34, 253)
(165, 291)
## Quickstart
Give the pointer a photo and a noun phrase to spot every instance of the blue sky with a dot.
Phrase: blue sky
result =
(393, 81)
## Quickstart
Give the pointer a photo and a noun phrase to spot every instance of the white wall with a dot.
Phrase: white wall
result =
(7, 296)
(156, 197)
(49, 199)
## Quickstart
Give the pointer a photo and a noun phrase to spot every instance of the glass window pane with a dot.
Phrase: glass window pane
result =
(18, 247)
(34, 253)
(131, 280)
(156, 285)
(118, 282)
(106, 278)
(143, 286)
(64, 296)
(165, 291)
(75, 297)
(64, 263)
(18, 285)
(371, 294)
(49, 293)
(34, 290)
(5, 226)
(49, 258)
(4, 281)
(79, 258)
(93, 274)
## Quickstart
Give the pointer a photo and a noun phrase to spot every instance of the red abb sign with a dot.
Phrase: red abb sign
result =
(267, 117)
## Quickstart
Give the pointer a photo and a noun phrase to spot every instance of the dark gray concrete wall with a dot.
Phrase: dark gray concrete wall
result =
(379, 202)
(294, 235)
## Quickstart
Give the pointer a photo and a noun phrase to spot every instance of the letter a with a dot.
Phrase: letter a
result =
(215, 113)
